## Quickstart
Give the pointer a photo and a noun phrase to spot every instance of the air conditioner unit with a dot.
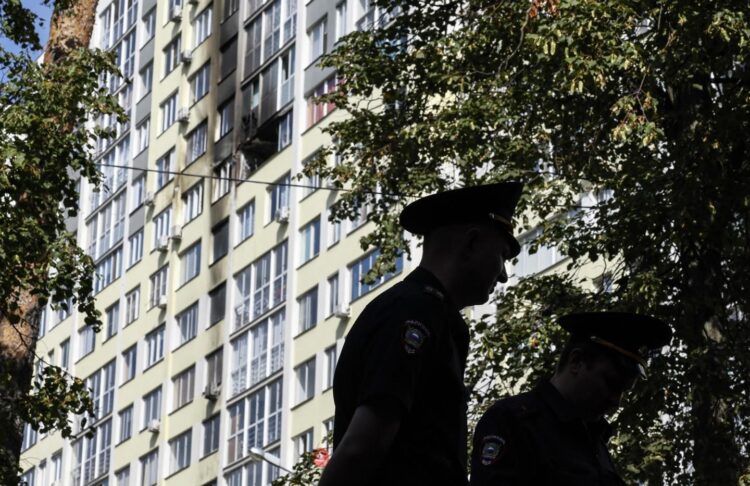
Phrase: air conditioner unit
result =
(212, 391)
(162, 303)
(55, 483)
(186, 56)
(183, 115)
(193, 2)
(153, 425)
(342, 310)
(175, 232)
(162, 243)
(175, 14)
(149, 199)
(282, 215)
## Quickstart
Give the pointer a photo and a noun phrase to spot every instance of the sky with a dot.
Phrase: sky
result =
(44, 12)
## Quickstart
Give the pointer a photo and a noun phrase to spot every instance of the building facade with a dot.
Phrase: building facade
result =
(225, 292)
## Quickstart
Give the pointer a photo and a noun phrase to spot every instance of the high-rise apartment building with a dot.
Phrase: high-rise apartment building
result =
(225, 291)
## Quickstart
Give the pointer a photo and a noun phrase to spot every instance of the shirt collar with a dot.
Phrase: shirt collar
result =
(565, 412)
(430, 283)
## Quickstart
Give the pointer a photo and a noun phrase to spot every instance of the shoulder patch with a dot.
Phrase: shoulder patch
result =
(414, 335)
(493, 448)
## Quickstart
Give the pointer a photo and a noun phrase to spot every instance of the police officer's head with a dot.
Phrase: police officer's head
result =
(468, 237)
(604, 356)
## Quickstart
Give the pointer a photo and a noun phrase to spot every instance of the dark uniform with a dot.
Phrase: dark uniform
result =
(535, 439)
(410, 344)
(538, 438)
(409, 348)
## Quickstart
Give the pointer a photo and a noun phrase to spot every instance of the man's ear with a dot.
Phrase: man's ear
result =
(575, 361)
(470, 242)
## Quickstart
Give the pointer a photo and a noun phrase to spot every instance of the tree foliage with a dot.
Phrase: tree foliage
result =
(644, 106)
(44, 141)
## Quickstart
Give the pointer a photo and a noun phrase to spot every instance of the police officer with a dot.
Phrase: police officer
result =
(398, 388)
(556, 434)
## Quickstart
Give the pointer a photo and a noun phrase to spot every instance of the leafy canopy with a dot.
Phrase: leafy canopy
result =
(627, 120)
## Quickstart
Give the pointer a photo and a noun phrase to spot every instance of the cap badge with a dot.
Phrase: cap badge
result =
(493, 447)
(414, 337)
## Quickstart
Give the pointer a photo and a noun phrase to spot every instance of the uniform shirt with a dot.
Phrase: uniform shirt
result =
(409, 345)
(535, 439)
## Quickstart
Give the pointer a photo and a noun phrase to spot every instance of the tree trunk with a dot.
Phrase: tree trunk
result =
(69, 29)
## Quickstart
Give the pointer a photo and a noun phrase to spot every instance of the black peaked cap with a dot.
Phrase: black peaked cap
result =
(492, 204)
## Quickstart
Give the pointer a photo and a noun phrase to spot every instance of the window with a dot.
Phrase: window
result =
(132, 305)
(149, 25)
(56, 471)
(290, 18)
(285, 130)
(190, 263)
(159, 285)
(122, 476)
(261, 285)
(126, 423)
(531, 263)
(316, 109)
(341, 26)
(180, 450)
(92, 454)
(226, 118)
(220, 237)
(333, 293)
(317, 35)
(287, 77)
(184, 388)
(192, 201)
(279, 195)
(214, 367)
(359, 269)
(264, 343)
(331, 358)
(138, 190)
(254, 421)
(161, 225)
(129, 360)
(230, 7)
(228, 58)
(112, 317)
(142, 139)
(168, 109)
(108, 270)
(272, 29)
(187, 322)
(254, 46)
(305, 380)
(245, 221)
(27, 478)
(165, 166)
(217, 301)
(150, 468)
(197, 142)
(135, 245)
(29, 437)
(222, 179)
(308, 309)
(172, 55)
(200, 82)
(102, 387)
(334, 229)
(311, 182)
(151, 406)
(211, 434)
(86, 340)
(65, 354)
(201, 27)
(310, 240)
(303, 443)
(154, 346)
(127, 58)
(146, 77)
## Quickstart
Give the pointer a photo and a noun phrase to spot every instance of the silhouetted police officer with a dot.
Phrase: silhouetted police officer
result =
(398, 388)
(556, 434)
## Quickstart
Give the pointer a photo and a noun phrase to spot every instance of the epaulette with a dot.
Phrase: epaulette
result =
(429, 290)
(523, 406)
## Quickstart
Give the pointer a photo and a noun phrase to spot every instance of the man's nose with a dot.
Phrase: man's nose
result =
(503, 274)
